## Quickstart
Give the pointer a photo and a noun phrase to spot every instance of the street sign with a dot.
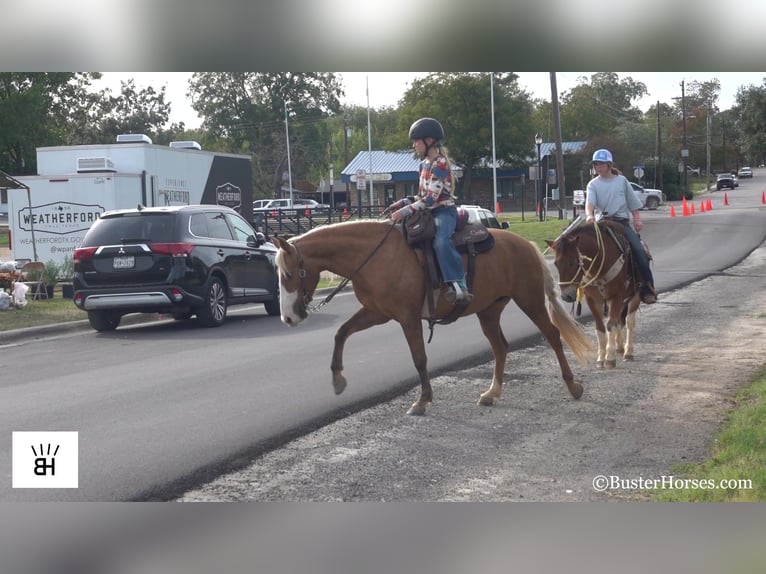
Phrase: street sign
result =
(361, 179)
(578, 197)
(638, 172)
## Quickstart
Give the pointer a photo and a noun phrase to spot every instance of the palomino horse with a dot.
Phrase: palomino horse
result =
(595, 258)
(390, 283)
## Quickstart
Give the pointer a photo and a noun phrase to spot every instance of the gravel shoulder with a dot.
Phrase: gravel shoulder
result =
(694, 349)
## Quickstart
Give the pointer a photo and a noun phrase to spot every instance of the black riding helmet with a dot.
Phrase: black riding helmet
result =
(427, 128)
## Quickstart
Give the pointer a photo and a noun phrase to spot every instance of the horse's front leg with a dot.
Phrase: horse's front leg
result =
(596, 308)
(613, 327)
(630, 326)
(490, 326)
(413, 332)
(363, 319)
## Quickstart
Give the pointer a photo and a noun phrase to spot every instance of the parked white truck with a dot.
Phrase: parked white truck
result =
(76, 184)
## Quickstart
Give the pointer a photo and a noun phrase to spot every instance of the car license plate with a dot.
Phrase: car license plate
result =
(127, 262)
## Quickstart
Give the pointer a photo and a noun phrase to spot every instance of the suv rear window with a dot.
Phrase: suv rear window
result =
(131, 228)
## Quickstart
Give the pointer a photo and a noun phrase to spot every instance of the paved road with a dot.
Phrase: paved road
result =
(162, 407)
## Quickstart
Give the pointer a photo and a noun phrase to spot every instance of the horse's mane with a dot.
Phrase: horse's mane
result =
(343, 225)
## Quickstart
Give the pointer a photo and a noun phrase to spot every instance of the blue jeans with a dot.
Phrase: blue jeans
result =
(639, 253)
(450, 262)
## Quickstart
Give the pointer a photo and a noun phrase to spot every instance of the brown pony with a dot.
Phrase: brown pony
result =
(389, 282)
(595, 258)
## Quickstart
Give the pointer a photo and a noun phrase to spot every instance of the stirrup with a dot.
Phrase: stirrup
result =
(457, 293)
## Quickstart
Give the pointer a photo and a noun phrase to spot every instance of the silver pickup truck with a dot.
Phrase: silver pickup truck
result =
(651, 198)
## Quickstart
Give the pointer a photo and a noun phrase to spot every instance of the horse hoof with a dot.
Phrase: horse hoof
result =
(610, 364)
(486, 401)
(417, 410)
(575, 389)
(339, 383)
(628, 358)
(599, 364)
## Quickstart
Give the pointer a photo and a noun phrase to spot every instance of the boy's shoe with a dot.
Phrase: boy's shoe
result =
(648, 294)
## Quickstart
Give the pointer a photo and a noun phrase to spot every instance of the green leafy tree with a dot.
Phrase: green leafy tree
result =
(248, 109)
(462, 103)
(751, 123)
(38, 109)
(598, 105)
(132, 111)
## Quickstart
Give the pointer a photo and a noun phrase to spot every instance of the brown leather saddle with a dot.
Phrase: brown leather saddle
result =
(471, 238)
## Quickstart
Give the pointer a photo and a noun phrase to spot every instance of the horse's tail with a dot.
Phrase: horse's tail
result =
(571, 331)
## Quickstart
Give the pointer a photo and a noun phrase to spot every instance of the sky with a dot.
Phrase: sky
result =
(386, 88)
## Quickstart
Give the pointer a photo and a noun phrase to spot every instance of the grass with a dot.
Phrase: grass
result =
(534, 230)
(41, 312)
(3, 237)
(738, 456)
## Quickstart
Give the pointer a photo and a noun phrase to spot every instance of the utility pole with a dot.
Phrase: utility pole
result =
(707, 143)
(658, 166)
(723, 141)
(684, 146)
(560, 183)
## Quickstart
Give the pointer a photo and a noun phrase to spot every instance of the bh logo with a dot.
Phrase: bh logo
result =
(45, 460)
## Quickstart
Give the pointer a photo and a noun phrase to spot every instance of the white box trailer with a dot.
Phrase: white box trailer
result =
(76, 184)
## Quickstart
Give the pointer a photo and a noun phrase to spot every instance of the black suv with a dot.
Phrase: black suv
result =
(725, 180)
(183, 260)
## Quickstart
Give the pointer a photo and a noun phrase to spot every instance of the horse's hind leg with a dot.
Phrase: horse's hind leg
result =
(363, 319)
(490, 326)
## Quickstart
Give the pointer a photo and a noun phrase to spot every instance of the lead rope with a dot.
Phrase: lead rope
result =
(346, 280)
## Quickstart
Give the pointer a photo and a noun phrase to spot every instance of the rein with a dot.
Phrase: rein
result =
(342, 285)
(588, 276)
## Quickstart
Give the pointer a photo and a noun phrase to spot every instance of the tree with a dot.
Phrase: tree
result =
(133, 111)
(598, 105)
(462, 103)
(248, 109)
(751, 122)
(38, 109)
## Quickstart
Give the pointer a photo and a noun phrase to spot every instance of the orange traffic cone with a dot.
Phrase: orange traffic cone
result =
(691, 207)
(497, 208)
(702, 206)
(684, 207)
(763, 197)
(672, 211)
(709, 205)
(725, 198)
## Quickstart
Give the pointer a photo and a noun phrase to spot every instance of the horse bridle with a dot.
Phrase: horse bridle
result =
(587, 275)
(306, 300)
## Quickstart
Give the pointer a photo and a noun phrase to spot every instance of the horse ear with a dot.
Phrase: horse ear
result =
(279, 242)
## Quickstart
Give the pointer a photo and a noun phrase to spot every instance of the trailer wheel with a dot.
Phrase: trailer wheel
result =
(652, 203)
(104, 320)
(212, 313)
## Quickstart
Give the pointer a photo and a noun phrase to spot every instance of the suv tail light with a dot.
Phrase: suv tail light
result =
(83, 254)
(172, 249)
